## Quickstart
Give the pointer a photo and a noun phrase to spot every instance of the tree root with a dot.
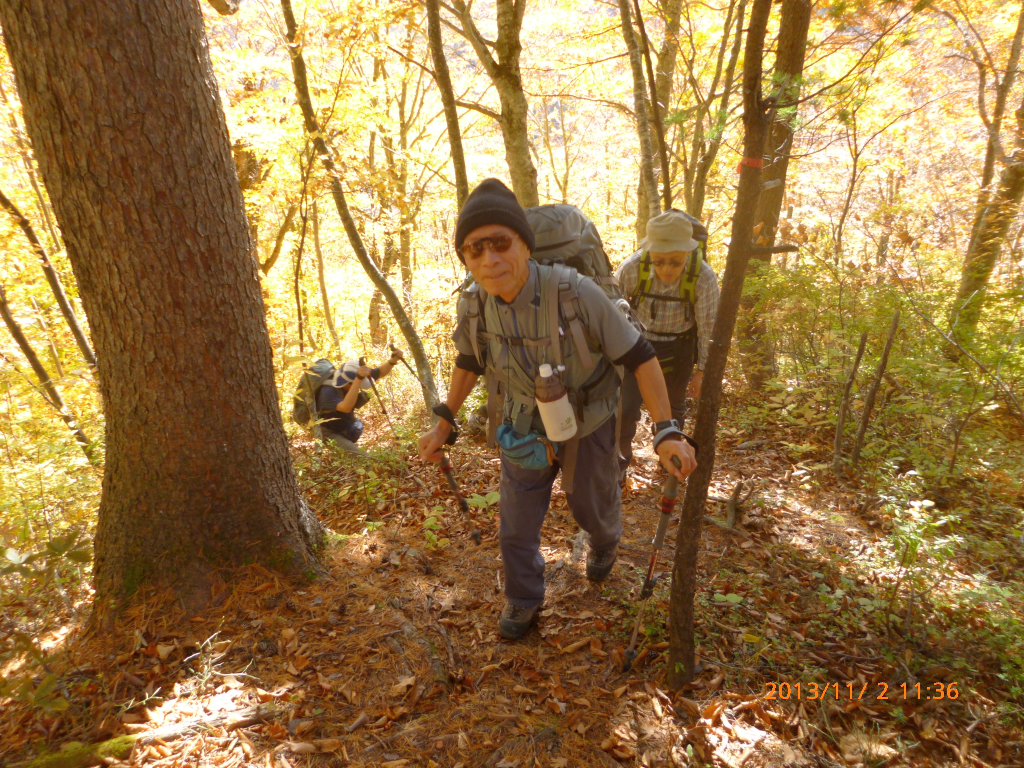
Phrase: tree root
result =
(78, 755)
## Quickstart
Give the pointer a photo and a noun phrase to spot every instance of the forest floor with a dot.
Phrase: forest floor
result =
(393, 659)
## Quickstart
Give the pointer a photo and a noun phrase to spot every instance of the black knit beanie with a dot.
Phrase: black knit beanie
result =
(492, 203)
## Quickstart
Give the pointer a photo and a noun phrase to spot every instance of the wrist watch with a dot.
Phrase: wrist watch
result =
(669, 429)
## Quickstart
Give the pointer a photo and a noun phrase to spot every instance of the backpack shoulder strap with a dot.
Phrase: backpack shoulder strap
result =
(563, 292)
(688, 283)
(475, 297)
(643, 281)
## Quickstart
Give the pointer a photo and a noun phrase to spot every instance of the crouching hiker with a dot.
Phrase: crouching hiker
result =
(341, 396)
(674, 294)
(535, 329)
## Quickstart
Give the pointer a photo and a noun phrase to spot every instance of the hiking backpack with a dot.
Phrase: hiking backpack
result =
(304, 399)
(564, 235)
(688, 281)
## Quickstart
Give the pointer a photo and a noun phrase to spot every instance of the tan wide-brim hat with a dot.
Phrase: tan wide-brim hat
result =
(668, 232)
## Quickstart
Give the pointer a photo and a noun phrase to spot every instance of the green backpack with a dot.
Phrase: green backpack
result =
(304, 399)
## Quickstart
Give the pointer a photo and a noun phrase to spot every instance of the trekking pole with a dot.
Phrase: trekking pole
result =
(373, 386)
(668, 501)
(404, 361)
(449, 474)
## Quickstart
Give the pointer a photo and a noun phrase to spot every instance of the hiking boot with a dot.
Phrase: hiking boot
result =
(600, 562)
(516, 620)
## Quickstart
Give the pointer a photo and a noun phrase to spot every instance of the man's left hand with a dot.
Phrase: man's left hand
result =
(683, 451)
(693, 389)
(396, 354)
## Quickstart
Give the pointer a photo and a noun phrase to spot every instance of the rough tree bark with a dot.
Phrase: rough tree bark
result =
(757, 358)
(53, 396)
(52, 278)
(444, 86)
(649, 184)
(684, 569)
(508, 82)
(426, 375)
(122, 108)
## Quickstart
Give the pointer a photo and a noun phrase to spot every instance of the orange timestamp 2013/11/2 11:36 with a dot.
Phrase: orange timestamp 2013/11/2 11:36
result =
(851, 691)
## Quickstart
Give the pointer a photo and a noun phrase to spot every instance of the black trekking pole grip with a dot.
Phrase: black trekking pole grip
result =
(404, 361)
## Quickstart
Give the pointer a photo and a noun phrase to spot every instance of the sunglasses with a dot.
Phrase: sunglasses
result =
(498, 244)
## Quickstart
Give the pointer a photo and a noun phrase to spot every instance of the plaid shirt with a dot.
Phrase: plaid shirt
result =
(669, 317)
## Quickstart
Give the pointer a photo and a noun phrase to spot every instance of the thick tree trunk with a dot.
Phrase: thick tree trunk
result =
(53, 394)
(426, 375)
(444, 86)
(684, 570)
(648, 183)
(122, 109)
(999, 213)
(53, 279)
(757, 355)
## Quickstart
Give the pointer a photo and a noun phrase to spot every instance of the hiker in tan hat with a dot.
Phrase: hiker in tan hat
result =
(674, 294)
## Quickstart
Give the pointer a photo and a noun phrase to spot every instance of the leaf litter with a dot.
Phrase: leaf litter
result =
(394, 659)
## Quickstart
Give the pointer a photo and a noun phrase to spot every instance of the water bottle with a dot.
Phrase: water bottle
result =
(554, 406)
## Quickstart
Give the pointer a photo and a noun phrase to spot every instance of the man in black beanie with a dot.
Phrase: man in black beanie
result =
(517, 316)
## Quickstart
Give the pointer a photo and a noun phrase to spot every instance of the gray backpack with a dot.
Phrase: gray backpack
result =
(565, 235)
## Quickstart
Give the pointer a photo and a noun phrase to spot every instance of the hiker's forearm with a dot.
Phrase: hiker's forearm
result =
(349, 401)
(651, 382)
(461, 385)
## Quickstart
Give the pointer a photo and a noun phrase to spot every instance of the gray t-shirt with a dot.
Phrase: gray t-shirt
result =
(607, 328)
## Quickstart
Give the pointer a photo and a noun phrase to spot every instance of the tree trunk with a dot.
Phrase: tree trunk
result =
(53, 394)
(656, 109)
(53, 279)
(869, 400)
(123, 112)
(282, 232)
(704, 151)
(444, 86)
(508, 82)
(757, 355)
(328, 317)
(648, 183)
(426, 375)
(684, 570)
(999, 213)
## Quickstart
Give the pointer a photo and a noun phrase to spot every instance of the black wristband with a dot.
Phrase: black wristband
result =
(445, 413)
(666, 430)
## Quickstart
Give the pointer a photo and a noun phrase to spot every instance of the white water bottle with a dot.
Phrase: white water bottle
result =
(554, 406)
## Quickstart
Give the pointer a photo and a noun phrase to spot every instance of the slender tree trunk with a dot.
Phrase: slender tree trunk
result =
(987, 244)
(324, 298)
(705, 150)
(648, 182)
(837, 451)
(684, 570)
(53, 279)
(426, 376)
(282, 232)
(444, 86)
(122, 109)
(869, 401)
(53, 396)
(757, 357)
(656, 109)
